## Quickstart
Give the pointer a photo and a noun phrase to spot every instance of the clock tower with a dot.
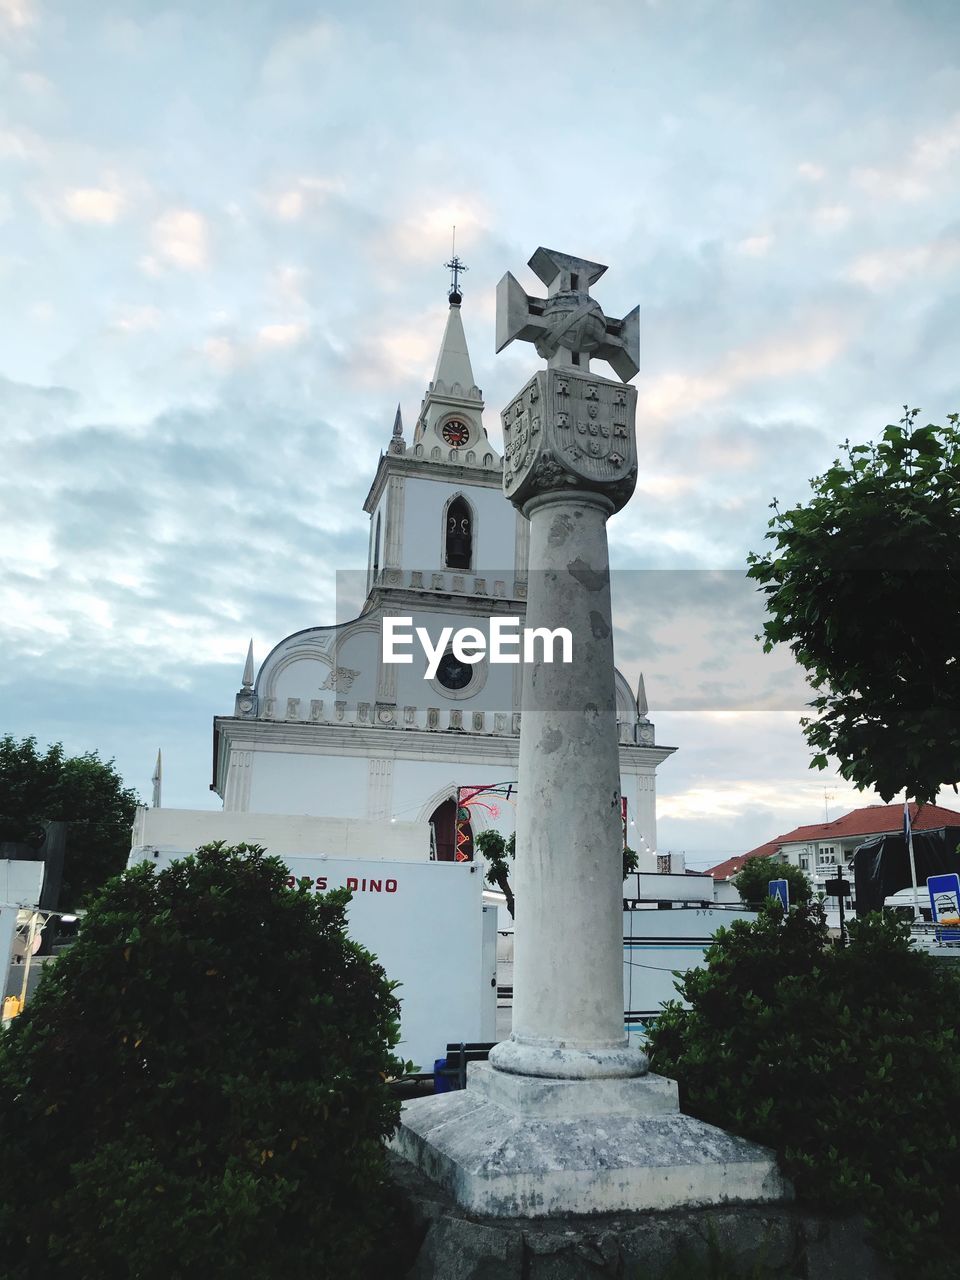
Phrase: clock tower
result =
(438, 521)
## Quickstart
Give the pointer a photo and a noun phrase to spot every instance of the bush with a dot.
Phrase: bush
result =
(842, 1059)
(196, 1088)
(753, 880)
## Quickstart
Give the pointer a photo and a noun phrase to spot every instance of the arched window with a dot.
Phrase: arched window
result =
(458, 535)
(376, 550)
(445, 831)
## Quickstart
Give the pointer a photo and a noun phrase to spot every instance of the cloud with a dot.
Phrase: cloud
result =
(297, 52)
(180, 239)
(93, 204)
(281, 335)
(17, 14)
(805, 347)
(885, 267)
(755, 246)
(916, 175)
(811, 172)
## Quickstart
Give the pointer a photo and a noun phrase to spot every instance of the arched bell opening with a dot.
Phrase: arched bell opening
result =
(452, 838)
(458, 534)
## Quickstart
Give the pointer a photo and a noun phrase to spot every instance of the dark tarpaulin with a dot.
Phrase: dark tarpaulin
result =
(881, 865)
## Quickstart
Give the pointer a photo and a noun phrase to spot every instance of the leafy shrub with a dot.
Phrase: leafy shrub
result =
(196, 1088)
(843, 1059)
(753, 880)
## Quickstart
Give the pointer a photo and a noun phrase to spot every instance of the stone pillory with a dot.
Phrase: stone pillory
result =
(565, 1117)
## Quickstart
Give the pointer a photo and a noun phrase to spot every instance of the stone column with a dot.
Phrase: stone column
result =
(565, 1118)
(568, 968)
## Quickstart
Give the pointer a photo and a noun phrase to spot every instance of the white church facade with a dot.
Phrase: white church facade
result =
(327, 728)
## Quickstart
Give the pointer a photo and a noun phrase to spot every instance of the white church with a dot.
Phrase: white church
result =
(330, 744)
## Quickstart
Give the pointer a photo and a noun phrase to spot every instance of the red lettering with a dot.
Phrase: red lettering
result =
(376, 886)
(391, 886)
(352, 882)
(291, 882)
(321, 883)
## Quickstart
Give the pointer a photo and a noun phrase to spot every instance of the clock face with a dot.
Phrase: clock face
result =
(455, 432)
(454, 674)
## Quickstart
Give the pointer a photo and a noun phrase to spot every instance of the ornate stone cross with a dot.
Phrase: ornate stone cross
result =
(568, 327)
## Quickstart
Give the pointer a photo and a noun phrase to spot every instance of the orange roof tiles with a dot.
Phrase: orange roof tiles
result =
(871, 820)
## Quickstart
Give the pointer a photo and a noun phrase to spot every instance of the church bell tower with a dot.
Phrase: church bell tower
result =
(439, 523)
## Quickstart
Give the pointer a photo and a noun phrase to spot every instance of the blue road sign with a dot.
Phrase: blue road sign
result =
(945, 902)
(780, 889)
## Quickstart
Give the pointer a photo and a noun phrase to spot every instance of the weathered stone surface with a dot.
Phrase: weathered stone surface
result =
(503, 1163)
(458, 1249)
(785, 1241)
(543, 1098)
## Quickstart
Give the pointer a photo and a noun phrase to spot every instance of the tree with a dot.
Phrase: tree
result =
(864, 587)
(84, 791)
(756, 873)
(843, 1059)
(197, 1088)
(497, 851)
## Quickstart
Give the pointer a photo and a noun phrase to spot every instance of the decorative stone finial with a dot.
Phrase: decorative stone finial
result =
(157, 779)
(642, 708)
(397, 443)
(247, 682)
(568, 327)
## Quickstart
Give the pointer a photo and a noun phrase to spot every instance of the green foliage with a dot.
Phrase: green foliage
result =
(843, 1059)
(500, 852)
(864, 587)
(497, 851)
(755, 875)
(196, 1088)
(83, 790)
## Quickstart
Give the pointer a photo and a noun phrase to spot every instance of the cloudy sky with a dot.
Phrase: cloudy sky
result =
(221, 236)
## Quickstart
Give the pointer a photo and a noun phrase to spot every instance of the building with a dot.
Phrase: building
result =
(819, 848)
(327, 728)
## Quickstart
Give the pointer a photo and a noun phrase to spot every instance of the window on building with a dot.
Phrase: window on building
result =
(451, 837)
(458, 537)
(376, 550)
(827, 856)
(804, 862)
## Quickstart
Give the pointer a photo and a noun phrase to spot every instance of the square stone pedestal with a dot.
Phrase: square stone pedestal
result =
(523, 1146)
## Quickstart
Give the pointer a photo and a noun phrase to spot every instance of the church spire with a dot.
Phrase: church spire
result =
(454, 372)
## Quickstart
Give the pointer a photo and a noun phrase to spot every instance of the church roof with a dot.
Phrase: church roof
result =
(871, 820)
(453, 360)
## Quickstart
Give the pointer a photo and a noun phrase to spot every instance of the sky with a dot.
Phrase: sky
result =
(222, 230)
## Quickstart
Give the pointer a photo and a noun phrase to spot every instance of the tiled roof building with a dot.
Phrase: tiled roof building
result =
(825, 844)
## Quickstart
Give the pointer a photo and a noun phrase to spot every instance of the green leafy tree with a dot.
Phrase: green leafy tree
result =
(754, 877)
(863, 585)
(197, 1087)
(500, 852)
(84, 791)
(842, 1059)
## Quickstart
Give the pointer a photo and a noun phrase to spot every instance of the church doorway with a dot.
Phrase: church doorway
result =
(443, 820)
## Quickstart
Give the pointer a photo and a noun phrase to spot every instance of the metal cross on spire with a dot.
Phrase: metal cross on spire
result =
(455, 267)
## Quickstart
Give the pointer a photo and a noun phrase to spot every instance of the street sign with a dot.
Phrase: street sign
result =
(945, 898)
(780, 889)
(838, 888)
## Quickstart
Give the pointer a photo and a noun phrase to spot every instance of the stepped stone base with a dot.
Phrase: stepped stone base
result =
(441, 1241)
(513, 1146)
